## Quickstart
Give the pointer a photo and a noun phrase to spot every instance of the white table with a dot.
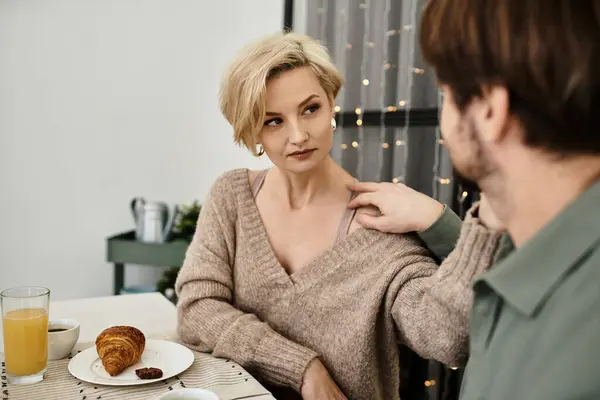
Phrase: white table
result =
(152, 313)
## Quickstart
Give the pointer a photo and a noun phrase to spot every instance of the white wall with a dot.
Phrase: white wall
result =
(101, 101)
(299, 17)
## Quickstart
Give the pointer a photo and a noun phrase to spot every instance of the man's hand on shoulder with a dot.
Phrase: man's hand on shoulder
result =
(400, 209)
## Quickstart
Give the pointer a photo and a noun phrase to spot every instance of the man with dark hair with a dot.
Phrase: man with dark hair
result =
(521, 82)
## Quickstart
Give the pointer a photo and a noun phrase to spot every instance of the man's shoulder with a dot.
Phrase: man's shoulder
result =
(568, 340)
(551, 354)
(581, 283)
(570, 317)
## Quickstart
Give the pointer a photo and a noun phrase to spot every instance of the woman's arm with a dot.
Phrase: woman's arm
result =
(207, 320)
(432, 304)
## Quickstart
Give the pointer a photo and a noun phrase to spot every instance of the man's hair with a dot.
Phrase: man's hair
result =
(546, 53)
(244, 84)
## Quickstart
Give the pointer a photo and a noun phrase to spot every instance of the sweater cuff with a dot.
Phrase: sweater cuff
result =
(282, 361)
(473, 255)
(476, 249)
(441, 237)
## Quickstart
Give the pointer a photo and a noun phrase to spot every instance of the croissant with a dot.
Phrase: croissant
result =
(119, 347)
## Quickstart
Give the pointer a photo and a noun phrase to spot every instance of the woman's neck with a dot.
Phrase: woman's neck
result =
(301, 190)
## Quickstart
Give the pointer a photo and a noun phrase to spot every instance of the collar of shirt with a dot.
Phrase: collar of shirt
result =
(528, 275)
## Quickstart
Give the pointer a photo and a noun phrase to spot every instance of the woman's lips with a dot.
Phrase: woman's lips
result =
(302, 155)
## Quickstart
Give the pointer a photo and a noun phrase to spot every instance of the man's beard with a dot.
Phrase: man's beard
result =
(473, 166)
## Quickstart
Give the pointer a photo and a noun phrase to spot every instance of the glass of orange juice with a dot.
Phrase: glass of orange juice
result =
(25, 332)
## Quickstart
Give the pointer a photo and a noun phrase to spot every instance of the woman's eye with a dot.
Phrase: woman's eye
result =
(273, 122)
(312, 109)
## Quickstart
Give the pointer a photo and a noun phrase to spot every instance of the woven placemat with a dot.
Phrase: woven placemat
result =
(224, 377)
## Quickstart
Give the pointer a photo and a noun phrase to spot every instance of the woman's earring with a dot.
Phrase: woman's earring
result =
(333, 123)
(260, 149)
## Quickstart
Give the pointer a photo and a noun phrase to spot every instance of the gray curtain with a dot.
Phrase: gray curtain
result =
(374, 43)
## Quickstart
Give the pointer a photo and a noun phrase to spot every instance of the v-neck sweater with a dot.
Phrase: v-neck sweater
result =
(351, 306)
(347, 217)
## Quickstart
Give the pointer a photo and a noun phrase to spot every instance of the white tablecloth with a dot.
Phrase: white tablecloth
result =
(154, 315)
(151, 313)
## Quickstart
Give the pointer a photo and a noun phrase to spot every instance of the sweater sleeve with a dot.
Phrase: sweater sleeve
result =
(432, 304)
(207, 320)
(441, 237)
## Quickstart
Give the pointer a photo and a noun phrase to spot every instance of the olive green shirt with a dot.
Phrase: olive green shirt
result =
(535, 323)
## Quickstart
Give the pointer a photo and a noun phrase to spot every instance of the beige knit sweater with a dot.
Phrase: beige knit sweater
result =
(350, 307)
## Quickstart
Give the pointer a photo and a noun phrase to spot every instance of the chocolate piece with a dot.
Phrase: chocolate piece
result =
(149, 373)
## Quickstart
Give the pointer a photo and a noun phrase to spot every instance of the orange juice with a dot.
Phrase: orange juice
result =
(25, 341)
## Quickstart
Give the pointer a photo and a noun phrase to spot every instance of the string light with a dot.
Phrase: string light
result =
(323, 12)
(462, 201)
(437, 180)
(401, 140)
(342, 55)
(436, 161)
(339, 55)
(436, 154)
(430, 383)
(363, 89)
(402, 103)
(344, 35)
(382, 84)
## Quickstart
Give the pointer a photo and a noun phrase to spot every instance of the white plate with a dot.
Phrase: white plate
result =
(172, 358)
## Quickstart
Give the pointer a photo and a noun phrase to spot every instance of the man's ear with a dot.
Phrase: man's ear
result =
(491, 113)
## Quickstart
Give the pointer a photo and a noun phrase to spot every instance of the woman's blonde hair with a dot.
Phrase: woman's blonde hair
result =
(243, 88)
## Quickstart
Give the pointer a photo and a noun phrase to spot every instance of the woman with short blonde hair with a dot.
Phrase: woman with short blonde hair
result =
(281, 278)
(243, 88)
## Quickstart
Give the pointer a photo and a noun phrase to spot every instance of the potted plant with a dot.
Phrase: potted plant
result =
(184, 229)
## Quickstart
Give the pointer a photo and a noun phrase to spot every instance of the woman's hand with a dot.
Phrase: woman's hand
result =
(318, 384)
(401, 208)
